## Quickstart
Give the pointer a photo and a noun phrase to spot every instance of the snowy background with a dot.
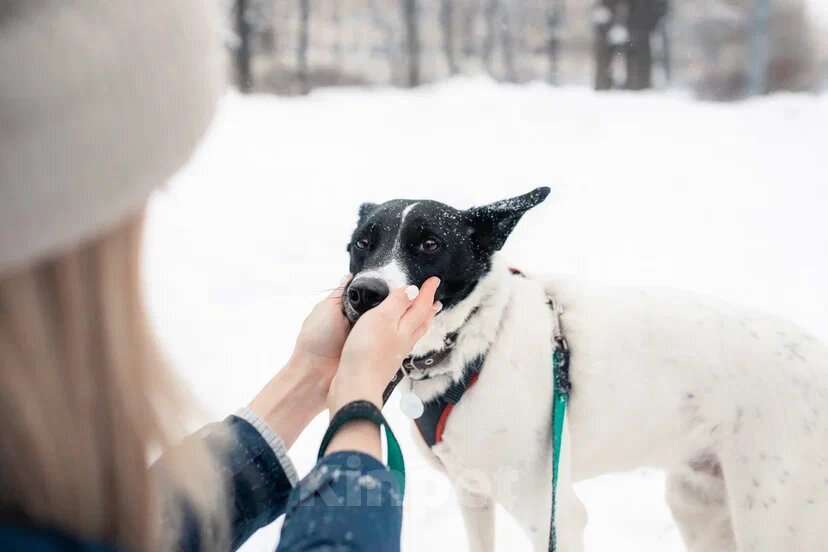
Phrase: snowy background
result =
(651, 189)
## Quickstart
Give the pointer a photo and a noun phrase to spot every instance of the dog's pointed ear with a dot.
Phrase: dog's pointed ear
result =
(365, 211)
(491, 225)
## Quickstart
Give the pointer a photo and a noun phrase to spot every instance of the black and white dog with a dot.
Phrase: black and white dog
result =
(732, 404)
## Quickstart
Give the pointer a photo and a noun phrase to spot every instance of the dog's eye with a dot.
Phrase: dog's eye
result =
(429, 246)
(362, 244)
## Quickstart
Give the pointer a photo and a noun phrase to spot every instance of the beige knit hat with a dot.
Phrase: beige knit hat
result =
(101, 101)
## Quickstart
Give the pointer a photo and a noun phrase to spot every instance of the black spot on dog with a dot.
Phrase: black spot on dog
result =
(737, 425)
(708, 463)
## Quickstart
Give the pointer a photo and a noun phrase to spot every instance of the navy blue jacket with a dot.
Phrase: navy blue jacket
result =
(348, 503)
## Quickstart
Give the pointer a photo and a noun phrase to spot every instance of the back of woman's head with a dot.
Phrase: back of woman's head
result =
(85, 402)
(108, 100)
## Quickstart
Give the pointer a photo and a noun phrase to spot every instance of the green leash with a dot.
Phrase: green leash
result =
(365, 410)
(560, 400)
(396, 462)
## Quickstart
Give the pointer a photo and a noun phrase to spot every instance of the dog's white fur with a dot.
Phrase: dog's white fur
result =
(730, 403)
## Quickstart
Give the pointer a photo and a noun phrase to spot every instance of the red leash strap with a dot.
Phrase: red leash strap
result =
(444, 416)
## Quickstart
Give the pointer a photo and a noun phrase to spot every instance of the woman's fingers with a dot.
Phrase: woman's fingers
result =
(336, 293)
(397, 302)
(423, 329)
(423, 308)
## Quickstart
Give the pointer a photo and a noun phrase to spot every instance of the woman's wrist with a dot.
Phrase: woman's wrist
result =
(348, 388)
(363, 436)
(359, 381)
(359, 436)
(293, 398)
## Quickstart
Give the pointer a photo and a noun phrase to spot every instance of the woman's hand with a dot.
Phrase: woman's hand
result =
(323, 335)
(373, 352)
(380, 340)
(297, 393)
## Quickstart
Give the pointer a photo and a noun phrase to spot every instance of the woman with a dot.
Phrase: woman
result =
(100, 102)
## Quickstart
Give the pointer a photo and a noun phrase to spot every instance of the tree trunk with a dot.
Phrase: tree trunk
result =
(759, 48)
(644, 18)
(666, 50)
(469, 28)
(337, 24)
(244, 50)
(640, 25)
(554, 17)
(302, 47)
(490, 17)
(603, 19)
(392, 46)
(639, 61)
(447, 25)
(508, 43)
(412, 40)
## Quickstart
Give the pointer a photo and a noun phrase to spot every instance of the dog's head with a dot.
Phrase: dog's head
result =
(404, 242)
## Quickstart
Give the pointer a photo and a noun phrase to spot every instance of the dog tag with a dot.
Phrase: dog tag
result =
(411, 405)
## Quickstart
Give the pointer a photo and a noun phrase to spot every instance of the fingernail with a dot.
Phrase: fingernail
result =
(412, 292)
(438, 306)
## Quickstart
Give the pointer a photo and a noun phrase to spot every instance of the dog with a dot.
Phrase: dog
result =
(731, 404)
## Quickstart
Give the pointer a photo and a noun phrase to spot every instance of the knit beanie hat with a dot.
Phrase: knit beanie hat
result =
(101, 101)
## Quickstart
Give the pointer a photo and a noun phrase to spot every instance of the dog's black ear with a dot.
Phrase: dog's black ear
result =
(491, 224)
(365, 211)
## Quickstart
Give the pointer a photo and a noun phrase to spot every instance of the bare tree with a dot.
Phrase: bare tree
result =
(507, 42)
(471, 11)
(666, 48)
(336, 20)
(302, 47)
(626, 26)
(412, 40)
(604, 17)
(392, 51)
(490, 12)
(553, 16)
(760, 47)
(244, 46)
(639, 54)
(643, 18)
(447, 25)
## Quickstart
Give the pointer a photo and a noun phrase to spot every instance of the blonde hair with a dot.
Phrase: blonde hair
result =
(85, 401)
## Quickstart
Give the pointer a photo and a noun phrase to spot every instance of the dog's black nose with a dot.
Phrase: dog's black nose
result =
(365, 294)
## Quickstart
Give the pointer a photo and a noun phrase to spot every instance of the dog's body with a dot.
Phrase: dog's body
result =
(730, 403)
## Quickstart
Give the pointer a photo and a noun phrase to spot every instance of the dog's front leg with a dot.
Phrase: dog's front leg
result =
(534, 513)
(479, 517)
(530, 502)
(570, 523)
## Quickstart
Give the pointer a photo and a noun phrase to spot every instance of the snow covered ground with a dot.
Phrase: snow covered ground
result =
(730, 200)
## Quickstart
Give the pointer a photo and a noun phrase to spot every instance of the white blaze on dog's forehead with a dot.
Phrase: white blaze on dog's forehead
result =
(405, 213)
(392, 274)
(395, 253)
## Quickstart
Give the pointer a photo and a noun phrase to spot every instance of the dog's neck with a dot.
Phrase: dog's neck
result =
(476, 320)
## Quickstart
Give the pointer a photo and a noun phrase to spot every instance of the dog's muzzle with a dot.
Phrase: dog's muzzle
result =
(363, 295)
